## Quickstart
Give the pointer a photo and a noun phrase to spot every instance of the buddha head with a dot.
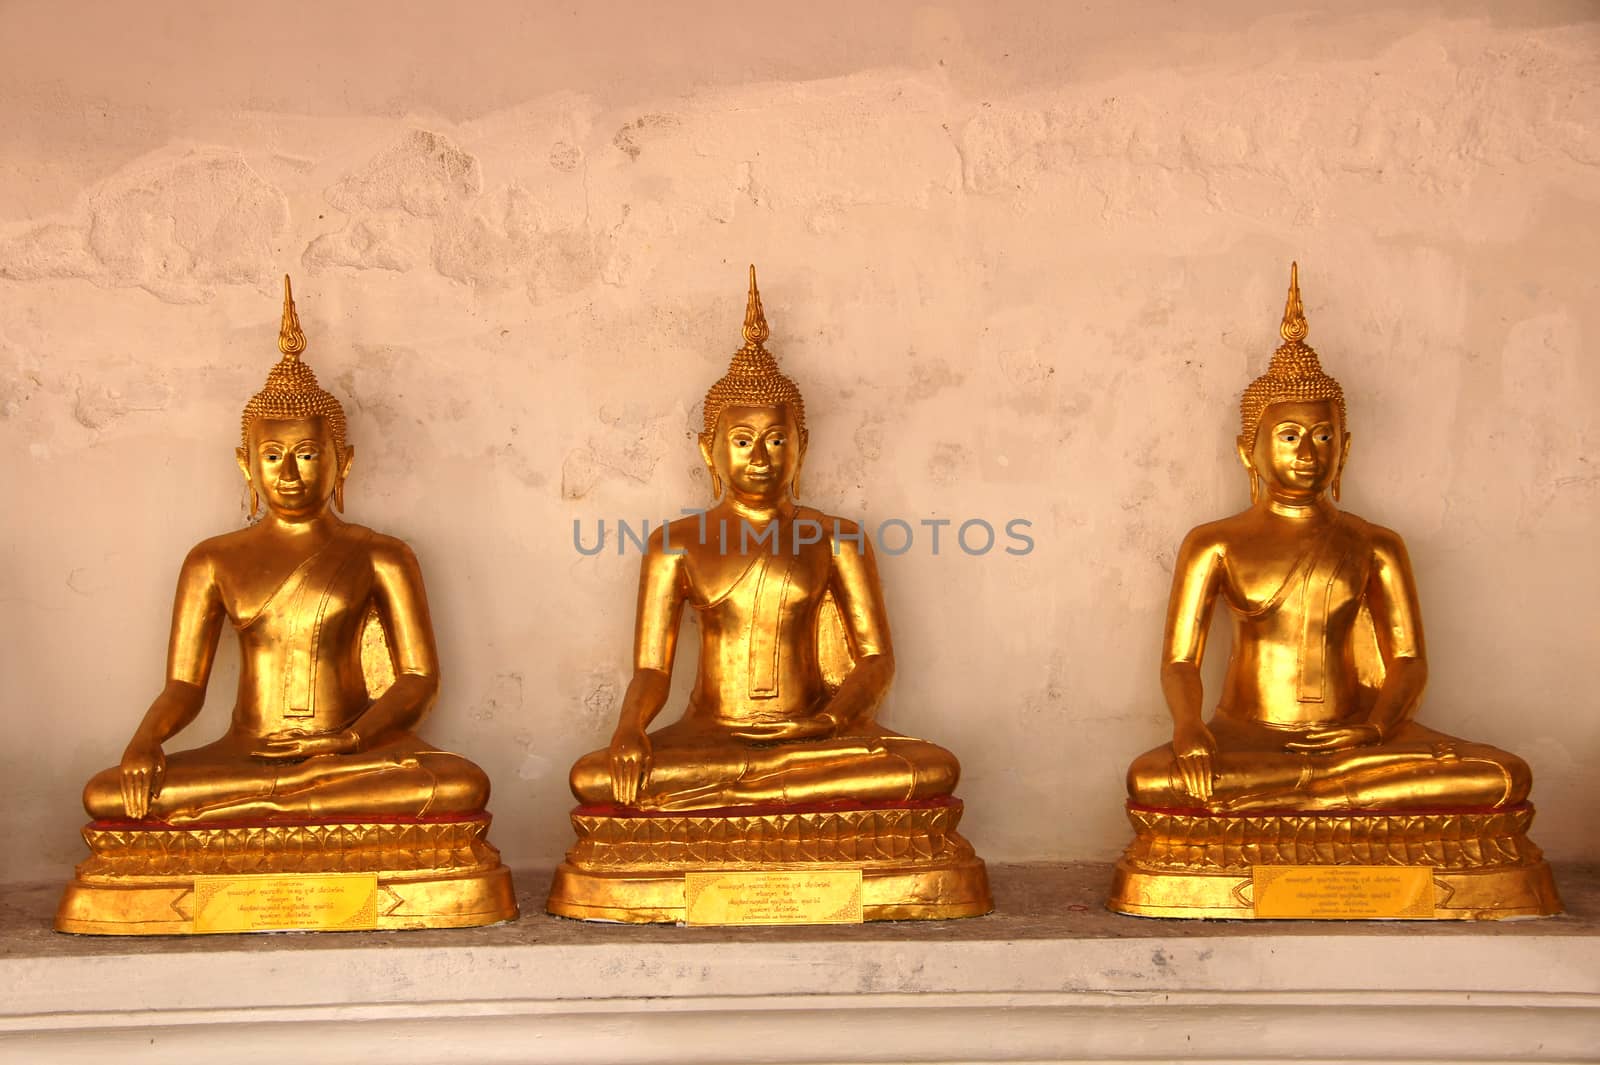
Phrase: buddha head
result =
(1292, 438)
(293, 451)
(754, 438)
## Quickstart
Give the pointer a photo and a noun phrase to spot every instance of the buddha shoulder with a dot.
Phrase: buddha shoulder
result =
(222, 552)
(1384, 544)
(1366, 537)
(387, 553)
(670, 539)
(230, 548)
(1216, 537)
(842, 533)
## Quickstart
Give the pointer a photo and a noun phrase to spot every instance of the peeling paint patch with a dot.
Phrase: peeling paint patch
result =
(504, 698)
(565, 156)
(176, 228)
(425, 175)
(97, 405)
(949, 464)
(631, 138)
(386, 241)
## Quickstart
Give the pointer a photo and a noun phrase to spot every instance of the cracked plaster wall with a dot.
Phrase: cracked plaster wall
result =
(1020, 257)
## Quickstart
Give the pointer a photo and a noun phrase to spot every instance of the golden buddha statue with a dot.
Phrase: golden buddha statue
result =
(1312, 756)
(319, 771)
(778, 760)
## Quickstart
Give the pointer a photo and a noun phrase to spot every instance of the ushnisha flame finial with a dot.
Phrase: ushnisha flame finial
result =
(1295, 373)
(1294, 327)
(291, 341)
(755, 319)
(753, 378)
(291, 390)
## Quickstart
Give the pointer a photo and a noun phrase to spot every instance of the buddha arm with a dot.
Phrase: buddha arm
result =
(192, 648)
(655, 644)
(196, 624)
(1397, 620)
(859, 595)
(1195, 580)
(403, 608)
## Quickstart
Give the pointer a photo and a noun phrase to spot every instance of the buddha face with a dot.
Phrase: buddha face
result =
(1299, 451)
(293, 465)
(755, 452)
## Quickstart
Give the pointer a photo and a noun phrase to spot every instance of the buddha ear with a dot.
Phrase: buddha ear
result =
(799, 464)
(346, 455)
(1338, 471)
(242, 457)
(711, 467)
(1243, 449)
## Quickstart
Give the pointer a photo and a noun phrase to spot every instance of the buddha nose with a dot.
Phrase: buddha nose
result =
(291, 468)
(758, 454)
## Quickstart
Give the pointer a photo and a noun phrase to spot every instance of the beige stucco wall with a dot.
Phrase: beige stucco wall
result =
(1020, 257)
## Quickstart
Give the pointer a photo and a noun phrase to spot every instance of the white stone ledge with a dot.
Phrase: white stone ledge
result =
(1037, 981)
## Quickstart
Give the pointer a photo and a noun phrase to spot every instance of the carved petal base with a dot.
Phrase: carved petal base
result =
(1194, 864)
(139, 878)
(629, 865)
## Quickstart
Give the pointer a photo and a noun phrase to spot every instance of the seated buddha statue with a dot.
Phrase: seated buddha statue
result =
(794, 661)
(1313, 731)
(312, 739)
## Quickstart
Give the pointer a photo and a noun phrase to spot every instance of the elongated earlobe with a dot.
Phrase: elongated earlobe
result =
(799, 467)
(345, 457)
(1344, 456)
(1242, 449)
(711, 468)
(242, 457)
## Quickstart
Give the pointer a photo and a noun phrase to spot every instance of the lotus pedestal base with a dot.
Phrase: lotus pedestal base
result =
(629, 865)
(141, 878)
(1199, 864)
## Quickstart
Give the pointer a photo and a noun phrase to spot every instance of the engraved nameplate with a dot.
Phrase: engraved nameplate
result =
(309, 902)
(1343, 892)
(790, 896)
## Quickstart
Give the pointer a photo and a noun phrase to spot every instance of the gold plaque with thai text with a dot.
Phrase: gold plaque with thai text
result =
(1343, 892)
(309, 902)
(790, 896)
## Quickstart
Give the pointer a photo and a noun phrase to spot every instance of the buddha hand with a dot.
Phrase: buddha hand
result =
(1196, 751)
(819, 726)
(143, 767)
(630, 764)
(295, 744)
(1336, 739)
